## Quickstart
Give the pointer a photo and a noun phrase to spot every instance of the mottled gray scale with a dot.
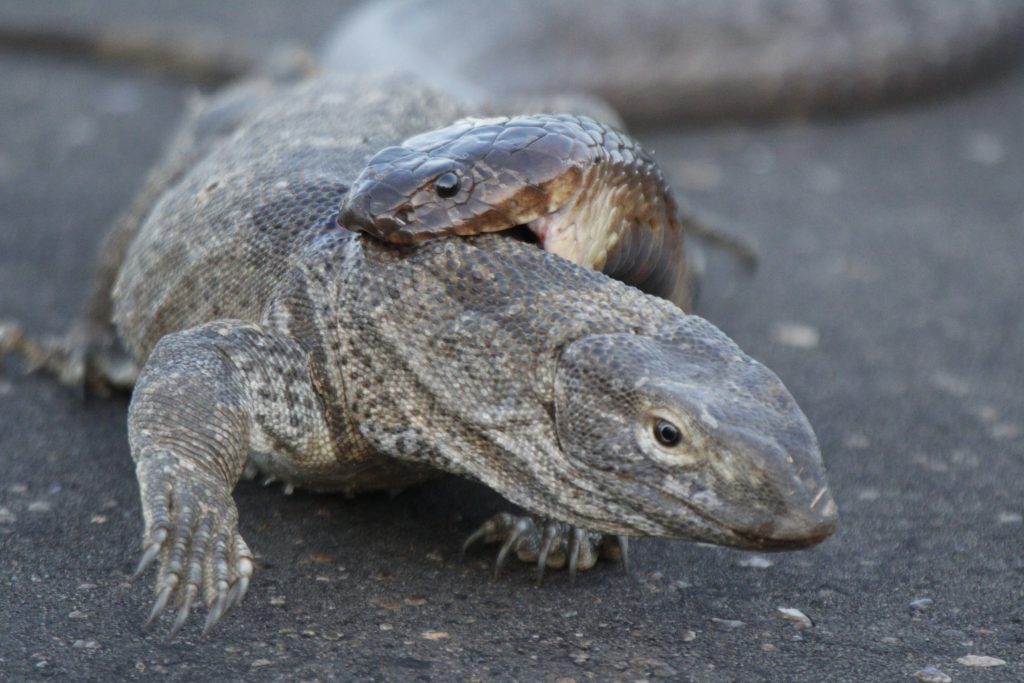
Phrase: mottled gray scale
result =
(329, 359)
(216, 251)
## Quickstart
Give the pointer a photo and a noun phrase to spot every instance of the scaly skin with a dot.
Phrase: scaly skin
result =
(688, 60)
(270, 338)
(589, 192)
(336, 362)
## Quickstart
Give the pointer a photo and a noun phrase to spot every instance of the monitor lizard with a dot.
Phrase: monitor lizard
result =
(272, 339)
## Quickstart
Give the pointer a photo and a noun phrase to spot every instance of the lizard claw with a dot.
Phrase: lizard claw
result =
(547, 543)
(193, 532)
(159, 605)
(152, 546)
(521, 526)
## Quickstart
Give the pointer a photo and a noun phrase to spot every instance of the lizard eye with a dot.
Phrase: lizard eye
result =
(666, 433)
(447, 185)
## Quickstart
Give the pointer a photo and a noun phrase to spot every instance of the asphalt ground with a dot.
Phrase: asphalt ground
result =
(889, 298)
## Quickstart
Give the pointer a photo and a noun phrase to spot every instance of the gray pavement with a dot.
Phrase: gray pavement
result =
(889, 299)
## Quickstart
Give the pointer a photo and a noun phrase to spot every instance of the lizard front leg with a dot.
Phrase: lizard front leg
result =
(205, 399)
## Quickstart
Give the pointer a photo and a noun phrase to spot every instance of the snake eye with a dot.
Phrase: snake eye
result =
(447, 185)
(666, 433)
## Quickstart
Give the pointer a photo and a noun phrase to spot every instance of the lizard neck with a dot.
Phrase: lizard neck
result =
(447, 351)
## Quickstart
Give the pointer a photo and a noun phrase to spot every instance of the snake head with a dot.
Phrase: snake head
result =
(681, 434)
(475, 176)
(588, 193)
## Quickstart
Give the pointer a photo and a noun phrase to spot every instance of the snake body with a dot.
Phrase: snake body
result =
(589, 193)
(696, 60)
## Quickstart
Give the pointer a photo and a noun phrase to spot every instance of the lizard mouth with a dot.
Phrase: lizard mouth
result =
(792, 530)
(677, 517)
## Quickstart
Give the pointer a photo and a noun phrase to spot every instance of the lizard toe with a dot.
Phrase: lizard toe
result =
(547, 543)
(193, 530)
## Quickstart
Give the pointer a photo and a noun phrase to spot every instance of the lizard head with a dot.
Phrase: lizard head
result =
(681, 434)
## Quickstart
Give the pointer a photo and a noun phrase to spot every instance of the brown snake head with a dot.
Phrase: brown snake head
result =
(587, 191)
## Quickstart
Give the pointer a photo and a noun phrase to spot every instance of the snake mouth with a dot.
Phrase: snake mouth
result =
(522, 233)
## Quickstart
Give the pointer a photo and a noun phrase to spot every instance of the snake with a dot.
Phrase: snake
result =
(689, 61)
(585, 190)
(582, 188)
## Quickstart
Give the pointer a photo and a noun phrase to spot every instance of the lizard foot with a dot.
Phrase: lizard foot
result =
(192, 527)
(84, 357)
(548, 544)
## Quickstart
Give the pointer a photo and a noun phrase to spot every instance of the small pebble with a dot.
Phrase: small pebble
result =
(950, 384)
(857, 442)
(987, 413)
(930, 674)
(86, 644)
(727, 623)
(1005, 431)
(756, 562)
(688, 636)
(921, 604)
(798, 618)
(980, 661)
(39, 506)
(259, 663)
(434, 635)
(1002, 517)
(796, 335)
